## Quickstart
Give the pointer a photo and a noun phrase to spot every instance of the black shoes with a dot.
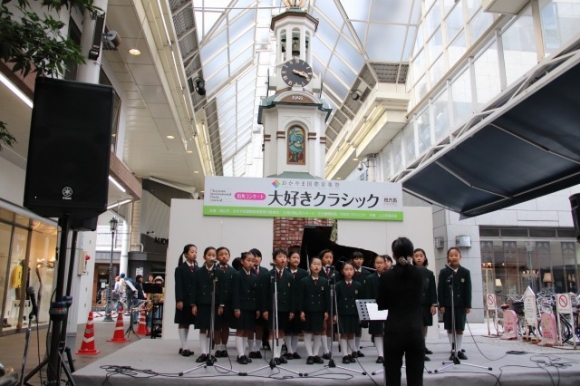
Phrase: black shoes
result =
(282, 360)
(380, 360)
(427, 351)
(346, 359)
(202, 358)
(352, 359)
(243, 360)
(461, 355)
(255, 355)
(221, 354)
(185, 353)
(310, 360)
(326, 355)
(426, 358)
(296, 356)
(288, 355)
(318, 359)
(359, 354)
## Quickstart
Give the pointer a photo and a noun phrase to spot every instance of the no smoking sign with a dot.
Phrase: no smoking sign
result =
(564, 304)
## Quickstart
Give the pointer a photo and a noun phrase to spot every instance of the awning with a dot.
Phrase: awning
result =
(525, 150)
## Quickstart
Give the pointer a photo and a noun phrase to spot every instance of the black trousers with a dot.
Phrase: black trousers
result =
(410, 344)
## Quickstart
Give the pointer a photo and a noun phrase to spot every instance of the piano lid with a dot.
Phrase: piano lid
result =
(317, 238)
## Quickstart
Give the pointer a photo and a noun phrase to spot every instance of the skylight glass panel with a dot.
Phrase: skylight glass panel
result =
(329, 10)
(336, 85)
(216, 64)
(391, 11)
(213, 84)
(216, 44)
(342, 70)
(326, 32)
(239, 6)
(225, 95)
(411, 31)
(240, 162)
(245, 135)
(361, 30)
(357, 10)
(229, 168)
(385, 42)
(241, 44)
(209, 19)
(351, 54)
(322, 52)
(243, 60)
(243, 24)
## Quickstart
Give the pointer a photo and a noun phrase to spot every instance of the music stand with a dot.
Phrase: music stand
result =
(368, 312)
(455, 360)
(152, 288)
(132, 310)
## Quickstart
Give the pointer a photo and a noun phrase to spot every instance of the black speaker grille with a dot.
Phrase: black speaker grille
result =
(69, 149)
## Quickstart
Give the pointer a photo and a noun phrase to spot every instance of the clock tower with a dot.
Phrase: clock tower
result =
(293, 113)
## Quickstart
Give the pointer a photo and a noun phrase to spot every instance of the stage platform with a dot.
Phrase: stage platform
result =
(156, 362)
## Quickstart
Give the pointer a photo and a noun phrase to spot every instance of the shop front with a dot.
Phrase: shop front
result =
(27, 260)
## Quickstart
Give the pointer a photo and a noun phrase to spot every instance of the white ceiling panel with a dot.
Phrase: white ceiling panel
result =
(153, 94)
(159, 110)
(145, 75)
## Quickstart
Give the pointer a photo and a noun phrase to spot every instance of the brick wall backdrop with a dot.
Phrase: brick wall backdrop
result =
(288, 231)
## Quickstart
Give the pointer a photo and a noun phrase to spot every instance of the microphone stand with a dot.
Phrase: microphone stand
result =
(455, 359)
(275, 339)
(33, 315)
(210, 358)
(333, 304)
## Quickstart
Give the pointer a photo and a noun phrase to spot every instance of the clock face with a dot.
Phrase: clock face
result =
(296, 72)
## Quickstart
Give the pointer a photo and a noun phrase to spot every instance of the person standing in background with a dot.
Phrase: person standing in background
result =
(429, 296)
(400, 292)
(184, 281)
(455, 280)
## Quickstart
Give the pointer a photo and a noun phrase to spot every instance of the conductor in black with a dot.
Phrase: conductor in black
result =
(400, 291)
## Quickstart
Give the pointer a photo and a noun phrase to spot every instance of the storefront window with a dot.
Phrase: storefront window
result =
(25, 263)
(5, 233)
(18, 278)
(510, 266)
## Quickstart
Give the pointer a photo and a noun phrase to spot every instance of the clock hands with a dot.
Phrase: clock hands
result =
(300, 73)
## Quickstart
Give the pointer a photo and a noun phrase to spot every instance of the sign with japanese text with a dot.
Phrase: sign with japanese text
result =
(288, 197)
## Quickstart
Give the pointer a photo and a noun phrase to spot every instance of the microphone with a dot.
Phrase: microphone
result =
(272, 264)
(214, 261)
(32, 295)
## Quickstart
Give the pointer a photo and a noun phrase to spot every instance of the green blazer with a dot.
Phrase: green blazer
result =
(461, 282)
(346, 297)
(225, 280)
(203, 286)
(313, 297)
(246, 293)
(285, 294)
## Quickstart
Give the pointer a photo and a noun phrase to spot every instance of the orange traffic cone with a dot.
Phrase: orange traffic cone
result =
(142, 330)
(88, 345)
(119, 335)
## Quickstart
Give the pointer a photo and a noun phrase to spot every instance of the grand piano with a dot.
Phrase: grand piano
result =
(317, 238)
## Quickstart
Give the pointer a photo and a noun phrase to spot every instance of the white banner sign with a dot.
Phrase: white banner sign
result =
(287, 197)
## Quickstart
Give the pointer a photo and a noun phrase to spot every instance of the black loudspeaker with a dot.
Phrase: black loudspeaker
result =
(575, 203)
(69, 149)
(83, 224)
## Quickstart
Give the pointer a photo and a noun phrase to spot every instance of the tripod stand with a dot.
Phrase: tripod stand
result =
(333, 305)
(454, 358)
(32, 316)
(275, 326)
(132, 310)
(58, 316)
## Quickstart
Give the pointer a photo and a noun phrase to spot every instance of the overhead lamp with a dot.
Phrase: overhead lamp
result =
(196, 171)
(118, 185)
(135, 52)
(190, 151)
(197, 85)
(170, 137)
